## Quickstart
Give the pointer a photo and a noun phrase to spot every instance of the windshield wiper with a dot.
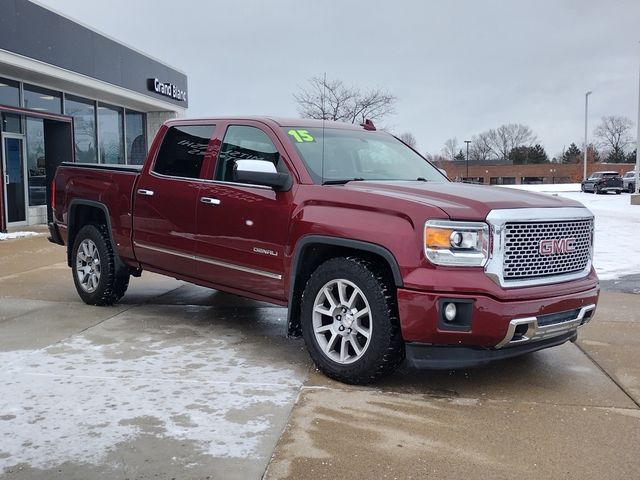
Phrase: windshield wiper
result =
(342, 181)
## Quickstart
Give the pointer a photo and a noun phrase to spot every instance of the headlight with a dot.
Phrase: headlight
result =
(456, 243)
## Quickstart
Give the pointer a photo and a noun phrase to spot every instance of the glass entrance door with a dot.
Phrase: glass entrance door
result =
(14, 178)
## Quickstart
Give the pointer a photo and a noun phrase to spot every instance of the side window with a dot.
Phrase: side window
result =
(183, 150)
(245, 143)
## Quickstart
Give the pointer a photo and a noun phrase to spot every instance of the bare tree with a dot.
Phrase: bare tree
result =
(409, 139)
(509, 136)
(333, 100)
(614, 135)
(450, 148)
(480, 148)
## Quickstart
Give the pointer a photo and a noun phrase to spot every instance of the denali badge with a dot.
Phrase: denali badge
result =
(265, 251)
(553, 246)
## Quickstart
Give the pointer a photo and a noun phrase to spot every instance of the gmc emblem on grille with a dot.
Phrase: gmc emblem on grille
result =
(553, 246)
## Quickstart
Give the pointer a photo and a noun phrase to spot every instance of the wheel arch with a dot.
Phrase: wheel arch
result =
(83, 212)
(312, 250)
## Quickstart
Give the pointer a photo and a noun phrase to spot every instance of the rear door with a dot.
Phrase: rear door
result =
(166, 197)
(243, 229)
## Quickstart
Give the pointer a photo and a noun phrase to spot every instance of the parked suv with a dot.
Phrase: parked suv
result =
(629, 181)
(377, 255)
(603, 182)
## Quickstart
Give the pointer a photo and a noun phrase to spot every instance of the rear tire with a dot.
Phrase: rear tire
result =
(350, 321)
(93, 264)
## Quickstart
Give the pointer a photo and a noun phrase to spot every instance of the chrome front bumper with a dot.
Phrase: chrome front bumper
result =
(531, 329)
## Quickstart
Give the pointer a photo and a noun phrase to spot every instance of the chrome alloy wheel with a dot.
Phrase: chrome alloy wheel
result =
(88, 265)
(342, 322)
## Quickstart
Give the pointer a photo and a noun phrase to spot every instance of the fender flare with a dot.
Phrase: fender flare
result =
(71, 221)
(294, 309)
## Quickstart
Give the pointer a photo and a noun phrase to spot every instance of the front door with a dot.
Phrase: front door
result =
(13, 159)
(242, 229)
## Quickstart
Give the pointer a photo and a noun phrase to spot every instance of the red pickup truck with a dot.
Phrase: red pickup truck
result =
(377, 255)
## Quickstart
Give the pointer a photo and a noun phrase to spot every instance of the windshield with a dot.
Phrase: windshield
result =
(361, 155)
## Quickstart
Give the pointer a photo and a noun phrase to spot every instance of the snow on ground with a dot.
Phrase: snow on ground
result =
(75, 401)
(617, 228)
(553, 188)
(13, 235)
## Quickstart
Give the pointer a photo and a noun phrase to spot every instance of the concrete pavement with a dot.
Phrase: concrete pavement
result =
(183, 382)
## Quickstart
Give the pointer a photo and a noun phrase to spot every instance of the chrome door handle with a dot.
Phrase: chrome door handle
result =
(6, 179)
(148, 193)
(210, 201)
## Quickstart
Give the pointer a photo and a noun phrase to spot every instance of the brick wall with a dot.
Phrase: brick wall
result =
(550, 172)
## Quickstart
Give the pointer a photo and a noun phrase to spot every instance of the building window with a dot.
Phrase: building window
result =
(502, 180)
(9, 92)
(42, 99)
(136, 137)
(35, 162)
(11, 123)
(532, 180)
(111, 134)
(472, 179)
(84, 127)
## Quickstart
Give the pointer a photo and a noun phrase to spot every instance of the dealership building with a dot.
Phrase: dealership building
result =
(69, 93)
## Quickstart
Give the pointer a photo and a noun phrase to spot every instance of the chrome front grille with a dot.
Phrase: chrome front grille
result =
(523, 259)
(516, 233)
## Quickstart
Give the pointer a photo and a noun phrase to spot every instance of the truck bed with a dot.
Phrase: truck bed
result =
(78, 184)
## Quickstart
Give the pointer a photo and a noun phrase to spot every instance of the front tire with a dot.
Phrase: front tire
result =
(631, 188)
(350, 321)
(93, 264)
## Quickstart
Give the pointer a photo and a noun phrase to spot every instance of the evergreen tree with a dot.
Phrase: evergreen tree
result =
(631, 156)
(459, 156)
(537, 154)
(528, 155)
(572, 155)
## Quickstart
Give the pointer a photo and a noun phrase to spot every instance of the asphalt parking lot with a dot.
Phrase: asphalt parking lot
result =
(183, 382)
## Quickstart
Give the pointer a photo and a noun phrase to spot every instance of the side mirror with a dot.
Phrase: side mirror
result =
(261, 172)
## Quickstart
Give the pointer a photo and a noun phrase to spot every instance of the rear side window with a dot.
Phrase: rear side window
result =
(183, 150)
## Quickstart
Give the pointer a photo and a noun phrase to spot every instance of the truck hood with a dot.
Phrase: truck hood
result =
(462, 201)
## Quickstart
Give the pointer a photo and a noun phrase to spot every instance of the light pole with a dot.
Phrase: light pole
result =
(635, 198)
(467, 142)
(586, 111)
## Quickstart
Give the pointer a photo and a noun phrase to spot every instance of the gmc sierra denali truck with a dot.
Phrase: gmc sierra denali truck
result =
(376, 253)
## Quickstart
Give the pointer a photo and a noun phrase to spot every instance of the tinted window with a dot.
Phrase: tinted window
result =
(183, 150)
(245, 143)
(41, 99)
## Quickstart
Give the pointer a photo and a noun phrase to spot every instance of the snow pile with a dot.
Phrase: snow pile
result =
(617, 224)
(14, 235)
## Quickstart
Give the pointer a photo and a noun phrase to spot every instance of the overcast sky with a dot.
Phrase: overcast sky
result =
(457, 67)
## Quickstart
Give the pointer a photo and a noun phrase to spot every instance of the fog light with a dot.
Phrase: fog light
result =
(450, 312)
